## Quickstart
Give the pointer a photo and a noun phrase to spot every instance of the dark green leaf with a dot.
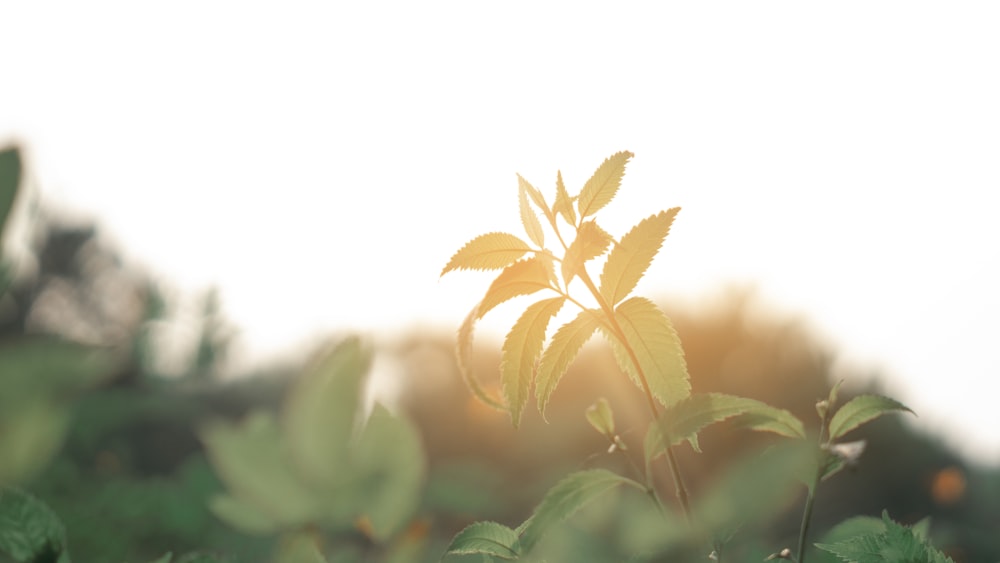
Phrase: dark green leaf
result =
(29, 529)
(10, 179)
(896, 544)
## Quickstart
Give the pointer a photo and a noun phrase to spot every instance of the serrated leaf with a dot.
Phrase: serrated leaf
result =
(565, 345)
(630, 259)
(29, 529)
(528, 218)
(686, 418)
(591, 241)
(563, 204)
(860, 410)
(463, 352)
(521, 350)
(657, 348)
(599, 416)
(10, 179)
(487, 538)
(568, 496)
(520, 278)
(603, 185)
(320, 412)
(895, 544)
(492, 251)
(534, 194)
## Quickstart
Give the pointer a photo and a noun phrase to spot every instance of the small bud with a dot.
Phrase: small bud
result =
(822, 408)
(713, 556)
(620, 443)
(599, 416)
(783, 554)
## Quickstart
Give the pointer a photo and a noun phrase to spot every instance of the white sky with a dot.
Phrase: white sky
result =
(843, 158)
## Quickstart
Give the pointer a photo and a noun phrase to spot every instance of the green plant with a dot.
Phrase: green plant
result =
(646, 348)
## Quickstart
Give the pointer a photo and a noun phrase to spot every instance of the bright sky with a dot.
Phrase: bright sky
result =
(841, 157)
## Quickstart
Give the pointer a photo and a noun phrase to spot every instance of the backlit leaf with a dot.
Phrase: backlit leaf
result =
(563, 204)
(860, 410)
(630, 259)
(599, 416)
(534, 194)
(591, 241)
(464, 355)
(651, 336)
(321, 410)
(491, 251)
(255, 467)
(568, 496)
(488, 538)
(528, 218)
(686, 418)
(521, 349)
(565, 345)
(520, 278)
(603, 185)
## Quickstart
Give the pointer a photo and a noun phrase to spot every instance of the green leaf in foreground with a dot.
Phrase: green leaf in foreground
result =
(566, 497)
(685, 419)
(29, 530)
(487, 538)
(860, 410)
(894, 545)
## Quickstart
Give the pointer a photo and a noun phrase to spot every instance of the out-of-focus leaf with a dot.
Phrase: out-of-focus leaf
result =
(255, 467)
(30, 434)
(38, 366)
(320, 413)
(754, 489)
(599, 416)
(242, 515)
(299, 548)
(487, 538)
(463, 353)
(10, 179)
(29, 530)
(567, 496)
(388, 465)
(860, 410)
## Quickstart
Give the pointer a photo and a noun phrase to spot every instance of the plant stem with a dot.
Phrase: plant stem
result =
(811, 496)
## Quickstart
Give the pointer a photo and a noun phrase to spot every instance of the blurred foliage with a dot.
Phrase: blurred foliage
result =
(94, 429)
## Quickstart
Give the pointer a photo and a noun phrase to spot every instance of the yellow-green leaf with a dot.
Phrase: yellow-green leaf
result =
(591, 241)
(630, 259)
(657, 348)
(600, 416)
(464, 355)
(528, 218)
(520, 278)
(603, 185)
(860, 410)
(521, 349)
(563, 205)
(565, 345)
(491, 251)
(686, 418)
